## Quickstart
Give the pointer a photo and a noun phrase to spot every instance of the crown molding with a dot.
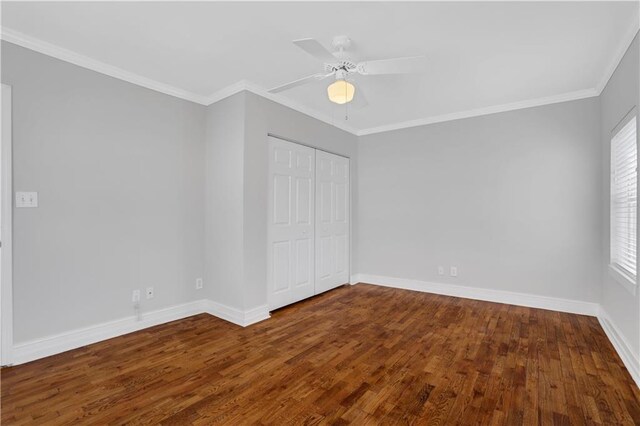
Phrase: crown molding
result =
(565, 97)
(66, 55)
(622, 50)
(225, 92)
(83, 61)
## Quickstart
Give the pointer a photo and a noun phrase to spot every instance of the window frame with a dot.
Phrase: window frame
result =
(620, 274)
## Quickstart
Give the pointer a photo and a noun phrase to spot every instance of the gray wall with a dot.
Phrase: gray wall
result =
(224, 252)
(119, 171)
(137, 189)
(619, 96)
(142, 189)
(511, 199)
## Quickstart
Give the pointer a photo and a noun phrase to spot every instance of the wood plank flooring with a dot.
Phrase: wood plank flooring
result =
(359, 354)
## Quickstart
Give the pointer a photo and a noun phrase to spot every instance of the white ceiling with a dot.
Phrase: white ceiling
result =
(481, 55)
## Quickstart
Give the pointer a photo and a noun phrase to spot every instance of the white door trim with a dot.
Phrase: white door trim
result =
(273, 138)
(274, 135)
(351, 171)
(6, 227)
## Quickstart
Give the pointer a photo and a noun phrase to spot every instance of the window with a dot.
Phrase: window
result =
(624, 202)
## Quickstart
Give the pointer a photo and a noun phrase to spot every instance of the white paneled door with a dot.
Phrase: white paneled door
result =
(291, 214)
(308, 222)
(332, 221)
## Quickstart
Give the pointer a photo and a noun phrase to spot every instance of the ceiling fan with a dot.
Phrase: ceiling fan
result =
(337, 64)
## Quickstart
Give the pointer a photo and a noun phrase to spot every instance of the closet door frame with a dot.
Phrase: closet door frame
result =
(270, 207)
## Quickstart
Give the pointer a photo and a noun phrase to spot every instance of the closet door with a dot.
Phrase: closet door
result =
(332, 221)
(290, 253)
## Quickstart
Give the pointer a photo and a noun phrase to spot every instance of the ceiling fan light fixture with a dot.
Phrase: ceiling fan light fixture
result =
(341, 92)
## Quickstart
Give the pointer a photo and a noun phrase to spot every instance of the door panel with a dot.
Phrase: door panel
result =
(282, 156)
(324, 202)
(332, 224)
(281, 199)
(342, 255)
(281, 266)
(342, 202)
(304, 262)
(304, 206)
(290, 257)
(324, 261)
(305, 161)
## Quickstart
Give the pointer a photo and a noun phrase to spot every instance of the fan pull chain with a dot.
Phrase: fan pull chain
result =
(346, 105)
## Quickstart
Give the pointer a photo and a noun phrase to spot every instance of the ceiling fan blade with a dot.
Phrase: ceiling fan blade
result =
(412, 64)
(300, 82)
(315, 49)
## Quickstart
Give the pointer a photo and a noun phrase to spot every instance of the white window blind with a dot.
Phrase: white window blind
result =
(624, 199)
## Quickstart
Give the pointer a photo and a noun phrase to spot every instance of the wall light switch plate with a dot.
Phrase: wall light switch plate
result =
(453, 271)
(198, 283)
(26, 199)
(149, 292)
(440, 270)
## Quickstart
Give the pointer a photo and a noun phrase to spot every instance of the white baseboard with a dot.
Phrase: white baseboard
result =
(620, 344)
(257, 314)
(62, 342)
(489, 295)
(236, 316)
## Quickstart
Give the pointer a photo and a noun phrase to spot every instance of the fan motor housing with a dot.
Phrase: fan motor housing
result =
(346, 65)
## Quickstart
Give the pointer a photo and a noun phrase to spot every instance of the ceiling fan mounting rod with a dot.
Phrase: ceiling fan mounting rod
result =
(341, 43)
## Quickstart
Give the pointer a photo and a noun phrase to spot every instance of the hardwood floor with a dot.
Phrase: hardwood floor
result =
(360, 354)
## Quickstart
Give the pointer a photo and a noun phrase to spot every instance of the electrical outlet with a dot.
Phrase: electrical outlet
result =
(440, 270)
(149, 292)
(198, 283)
(26, 199)
(453, 271)
(135, 298)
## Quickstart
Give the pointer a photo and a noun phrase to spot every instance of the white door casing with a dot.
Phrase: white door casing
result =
(290, 253)
(332, 221)
(6, 189)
